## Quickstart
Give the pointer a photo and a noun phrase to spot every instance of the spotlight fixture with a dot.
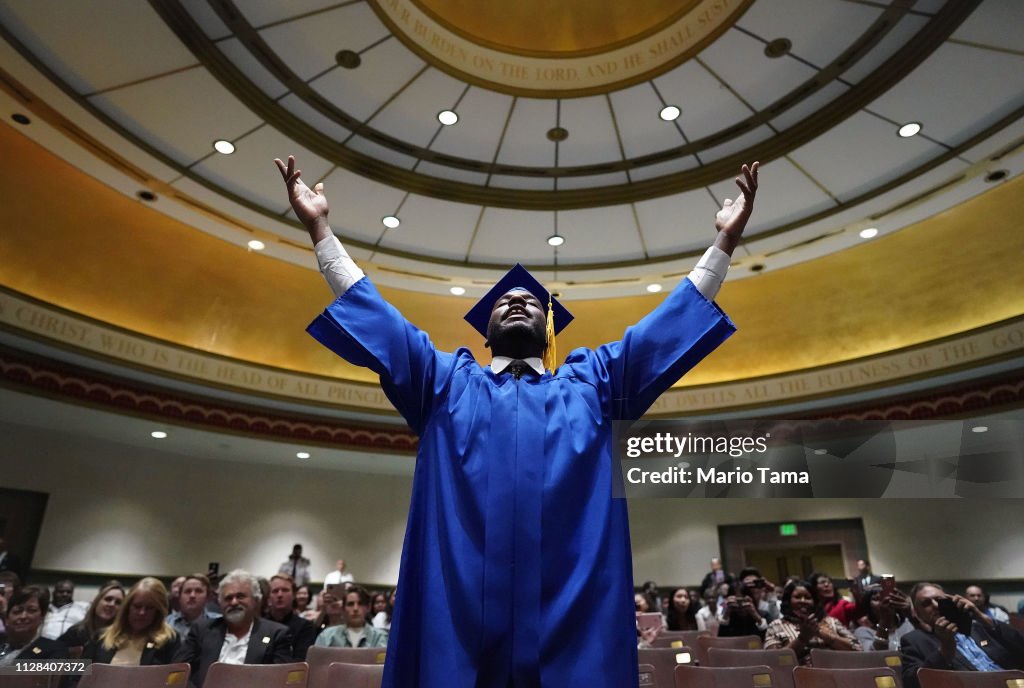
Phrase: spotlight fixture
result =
(302, 455)
(457, 291)
(556, 240)
(557, 134)
(909, 129)
(869, 233)
(778, 48)
(447, 117)
(348, 59)
(390, 221)
(158, 434)
(654, 288)
(257, 245)
(670, 113)
(223, 146)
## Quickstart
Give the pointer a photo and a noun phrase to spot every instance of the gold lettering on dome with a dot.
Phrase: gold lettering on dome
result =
(633, 61)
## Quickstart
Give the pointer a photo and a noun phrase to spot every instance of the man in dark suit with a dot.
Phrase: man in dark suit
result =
(940, 643)
(282, 610)
(238, 637)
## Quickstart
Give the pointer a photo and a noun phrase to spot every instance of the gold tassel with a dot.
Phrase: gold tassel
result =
(550, 350)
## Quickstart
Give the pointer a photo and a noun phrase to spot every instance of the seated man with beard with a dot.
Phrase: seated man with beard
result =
(238, 637)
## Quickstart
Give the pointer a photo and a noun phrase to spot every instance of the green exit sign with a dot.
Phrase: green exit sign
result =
(787, 529)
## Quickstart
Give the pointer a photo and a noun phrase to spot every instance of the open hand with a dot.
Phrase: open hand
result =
(732, 218)
(310, 205)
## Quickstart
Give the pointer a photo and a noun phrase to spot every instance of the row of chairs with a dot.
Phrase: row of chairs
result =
(687, 676)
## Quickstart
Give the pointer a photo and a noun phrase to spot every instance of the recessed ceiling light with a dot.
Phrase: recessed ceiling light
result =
(979, 428)
(778, 47)
(868, 233)
(996, 176)
(556, 240)
(654, 288)
(158, 434)
(447, 117)
(257, 245)
(20, 118)
(909, 129)
(390, 221)
(147, 196)
(223, 146)
(302, 455)
(820, 452)
(557, 134)
(669, 113)
(348, 59)
(457, 291)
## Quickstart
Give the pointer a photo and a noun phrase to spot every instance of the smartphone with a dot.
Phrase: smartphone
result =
(961, 617)
(214, 568)
(648, 620)
(888, 584)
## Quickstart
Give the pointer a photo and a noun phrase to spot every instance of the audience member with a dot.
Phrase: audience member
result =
(381, 611)
(642, 602)
(175, 595)
(888, 619)
(339, 574)
(22, 640)
(305, 605)
(801, 629)
(192, 600)
(296, 566)
(707, 616)
(139, 634)
(979, 598)
(9, 561)
(940, 643)
(332, 609)
(716, 576)
(100, 615)
(681, 615)
(281, 608)
(238, 637)
(64, 611)
(355, 632)
(762, 591)
(650, 588)
(742, 613)
(9, 582)
(830, 602)
(865, 578)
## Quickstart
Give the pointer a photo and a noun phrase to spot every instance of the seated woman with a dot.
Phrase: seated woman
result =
(382, 610)
(332, 610)
(889, 616)
(21, 640)
(305, 605)
(802, 627)
(831, 603)
(101, 614)
(356, 631)
(681, 615)
(139, 634)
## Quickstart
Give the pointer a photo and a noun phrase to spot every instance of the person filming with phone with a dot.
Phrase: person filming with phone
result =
(953, 634)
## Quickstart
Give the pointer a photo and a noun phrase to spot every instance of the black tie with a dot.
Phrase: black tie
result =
(517, 368)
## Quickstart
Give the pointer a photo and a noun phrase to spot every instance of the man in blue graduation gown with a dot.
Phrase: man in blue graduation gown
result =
(516, 569)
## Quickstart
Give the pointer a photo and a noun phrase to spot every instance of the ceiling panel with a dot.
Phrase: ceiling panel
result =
(360, 92)
(263, 13)
(995, 23)
(503, 181)
(748, 140)
(899, 36)
(482, 117)
(453, 173)
(509, 236)
(739, 61)
(167, 112)
(204, 15)
(706, 105)
(412, 115)
(984, 86)
(437, 228)
(592, 138)
(861, 153)
(379, 152)
(358, 204)
(679, 223)
(836, 24)
(593, 234)
(642, 131)
(250, 171)
(807, 108)
(313, 118)
(662, 168)
(526, 141)
(251, 67)
(589, 181)
(85, 42)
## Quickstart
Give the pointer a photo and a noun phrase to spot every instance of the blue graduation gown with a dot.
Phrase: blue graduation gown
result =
(516, 568)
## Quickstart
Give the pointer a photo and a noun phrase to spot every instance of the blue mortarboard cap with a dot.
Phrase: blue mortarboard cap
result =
(516, 278)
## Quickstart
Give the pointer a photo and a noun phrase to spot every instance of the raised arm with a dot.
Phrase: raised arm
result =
(731, 220)
(310, 205)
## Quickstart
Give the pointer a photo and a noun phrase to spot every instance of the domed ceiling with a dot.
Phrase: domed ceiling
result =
(482, 129)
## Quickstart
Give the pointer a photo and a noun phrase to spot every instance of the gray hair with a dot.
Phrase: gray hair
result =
(242, 576)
